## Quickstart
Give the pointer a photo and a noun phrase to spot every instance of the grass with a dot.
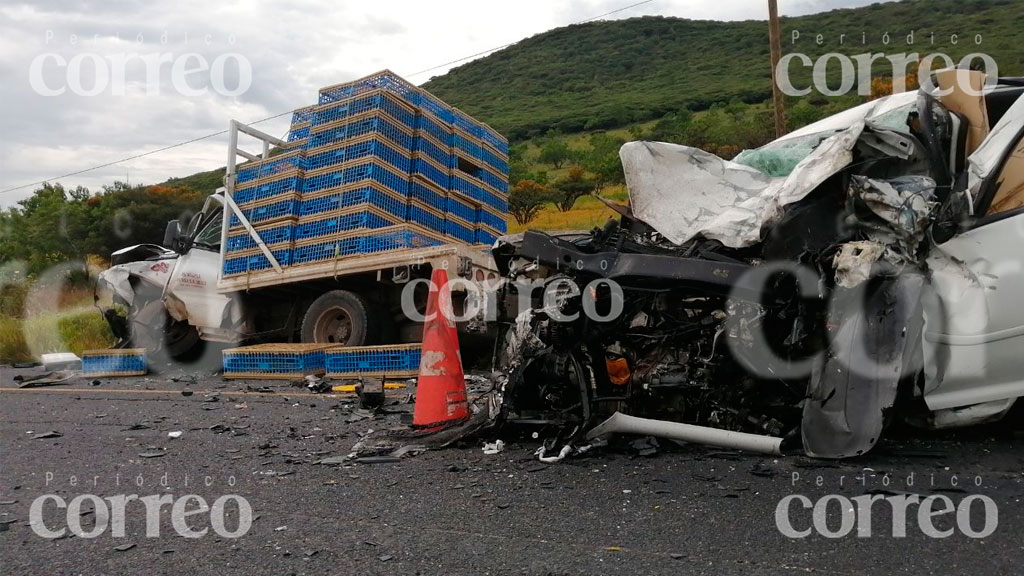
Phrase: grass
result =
(70, 330)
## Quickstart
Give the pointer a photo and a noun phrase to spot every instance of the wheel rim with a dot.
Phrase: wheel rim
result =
(334, 326)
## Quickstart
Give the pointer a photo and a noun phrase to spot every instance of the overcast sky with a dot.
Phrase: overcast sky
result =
(292, 47)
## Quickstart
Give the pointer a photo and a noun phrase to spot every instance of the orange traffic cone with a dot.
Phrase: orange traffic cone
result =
(441, 386)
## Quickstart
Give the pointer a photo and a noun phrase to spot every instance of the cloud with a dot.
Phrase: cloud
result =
(293, 48)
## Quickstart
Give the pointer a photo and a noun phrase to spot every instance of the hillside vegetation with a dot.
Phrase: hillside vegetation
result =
(612, 73)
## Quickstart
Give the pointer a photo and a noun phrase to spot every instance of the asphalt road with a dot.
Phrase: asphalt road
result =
(458, 511)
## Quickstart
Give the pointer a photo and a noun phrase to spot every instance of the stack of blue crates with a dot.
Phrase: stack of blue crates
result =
(376, 165)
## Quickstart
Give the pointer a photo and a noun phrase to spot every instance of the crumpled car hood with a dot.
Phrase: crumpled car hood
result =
(683, 192)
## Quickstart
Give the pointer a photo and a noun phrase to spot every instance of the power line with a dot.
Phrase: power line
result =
(221, 132)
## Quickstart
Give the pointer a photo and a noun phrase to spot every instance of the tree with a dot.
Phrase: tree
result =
(602, 160)
(555, 152)
(526, 199)
(571, 188)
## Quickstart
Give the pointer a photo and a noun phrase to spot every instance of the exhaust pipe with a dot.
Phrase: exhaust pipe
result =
(623, 424)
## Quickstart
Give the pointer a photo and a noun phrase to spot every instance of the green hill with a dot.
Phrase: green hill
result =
(612, 73)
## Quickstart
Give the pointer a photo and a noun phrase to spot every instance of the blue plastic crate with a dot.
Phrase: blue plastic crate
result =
(383, 360)
(479, 193)
(375, 147)
(378, 124)
(342, 223)
(97, 363)
(468, 146)
(499, 163)
(244, 241)
(491, 137)
(459, 230)
(442, 156)
(315, 252)
(296, 134)
(270, 167)
(426, 217)
(268, 190)
(440, 132)
(496, 221)
(380, 101)
(256, 262)
(424, 192)
(347, 199)
(432, 105)
(371, 170)
(274, 360)
(385, 80)
(462, 121)
(303, 115)
(267, 212)
(426, 169)
(485, 236)
(404, 237)
(493, 180)
(461, 208)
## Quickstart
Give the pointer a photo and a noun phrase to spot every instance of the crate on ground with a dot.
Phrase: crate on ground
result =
(348, 151)
(254, 260)
(364, 171)
(426, 216)
(376, 123)
(275, 361)
(276, 233)
(358, 217)
(460, 229)
(395, 361)
(491, 217)
(369, 194)
(114, 362)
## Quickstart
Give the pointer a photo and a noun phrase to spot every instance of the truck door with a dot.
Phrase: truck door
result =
(974, 336)
(192, 291)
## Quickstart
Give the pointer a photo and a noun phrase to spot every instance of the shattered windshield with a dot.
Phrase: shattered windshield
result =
(779, 158)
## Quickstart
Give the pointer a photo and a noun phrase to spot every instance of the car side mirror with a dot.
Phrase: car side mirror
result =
(172, 234)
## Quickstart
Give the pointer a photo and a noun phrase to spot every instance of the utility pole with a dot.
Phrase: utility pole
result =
(775, 41)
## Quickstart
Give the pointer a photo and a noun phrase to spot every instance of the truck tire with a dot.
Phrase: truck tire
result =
(339, 317)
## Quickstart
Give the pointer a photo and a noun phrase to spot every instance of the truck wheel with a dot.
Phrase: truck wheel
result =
(338, 317)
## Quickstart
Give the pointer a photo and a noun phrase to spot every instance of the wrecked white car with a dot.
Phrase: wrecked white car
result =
(800, 297)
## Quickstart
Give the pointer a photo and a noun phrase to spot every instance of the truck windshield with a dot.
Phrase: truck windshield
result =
(209, 234)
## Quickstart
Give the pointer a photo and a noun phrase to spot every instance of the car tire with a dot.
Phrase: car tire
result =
(339, 317)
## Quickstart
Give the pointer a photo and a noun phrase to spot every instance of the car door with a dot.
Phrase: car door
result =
(974, 331)
(192, 291)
